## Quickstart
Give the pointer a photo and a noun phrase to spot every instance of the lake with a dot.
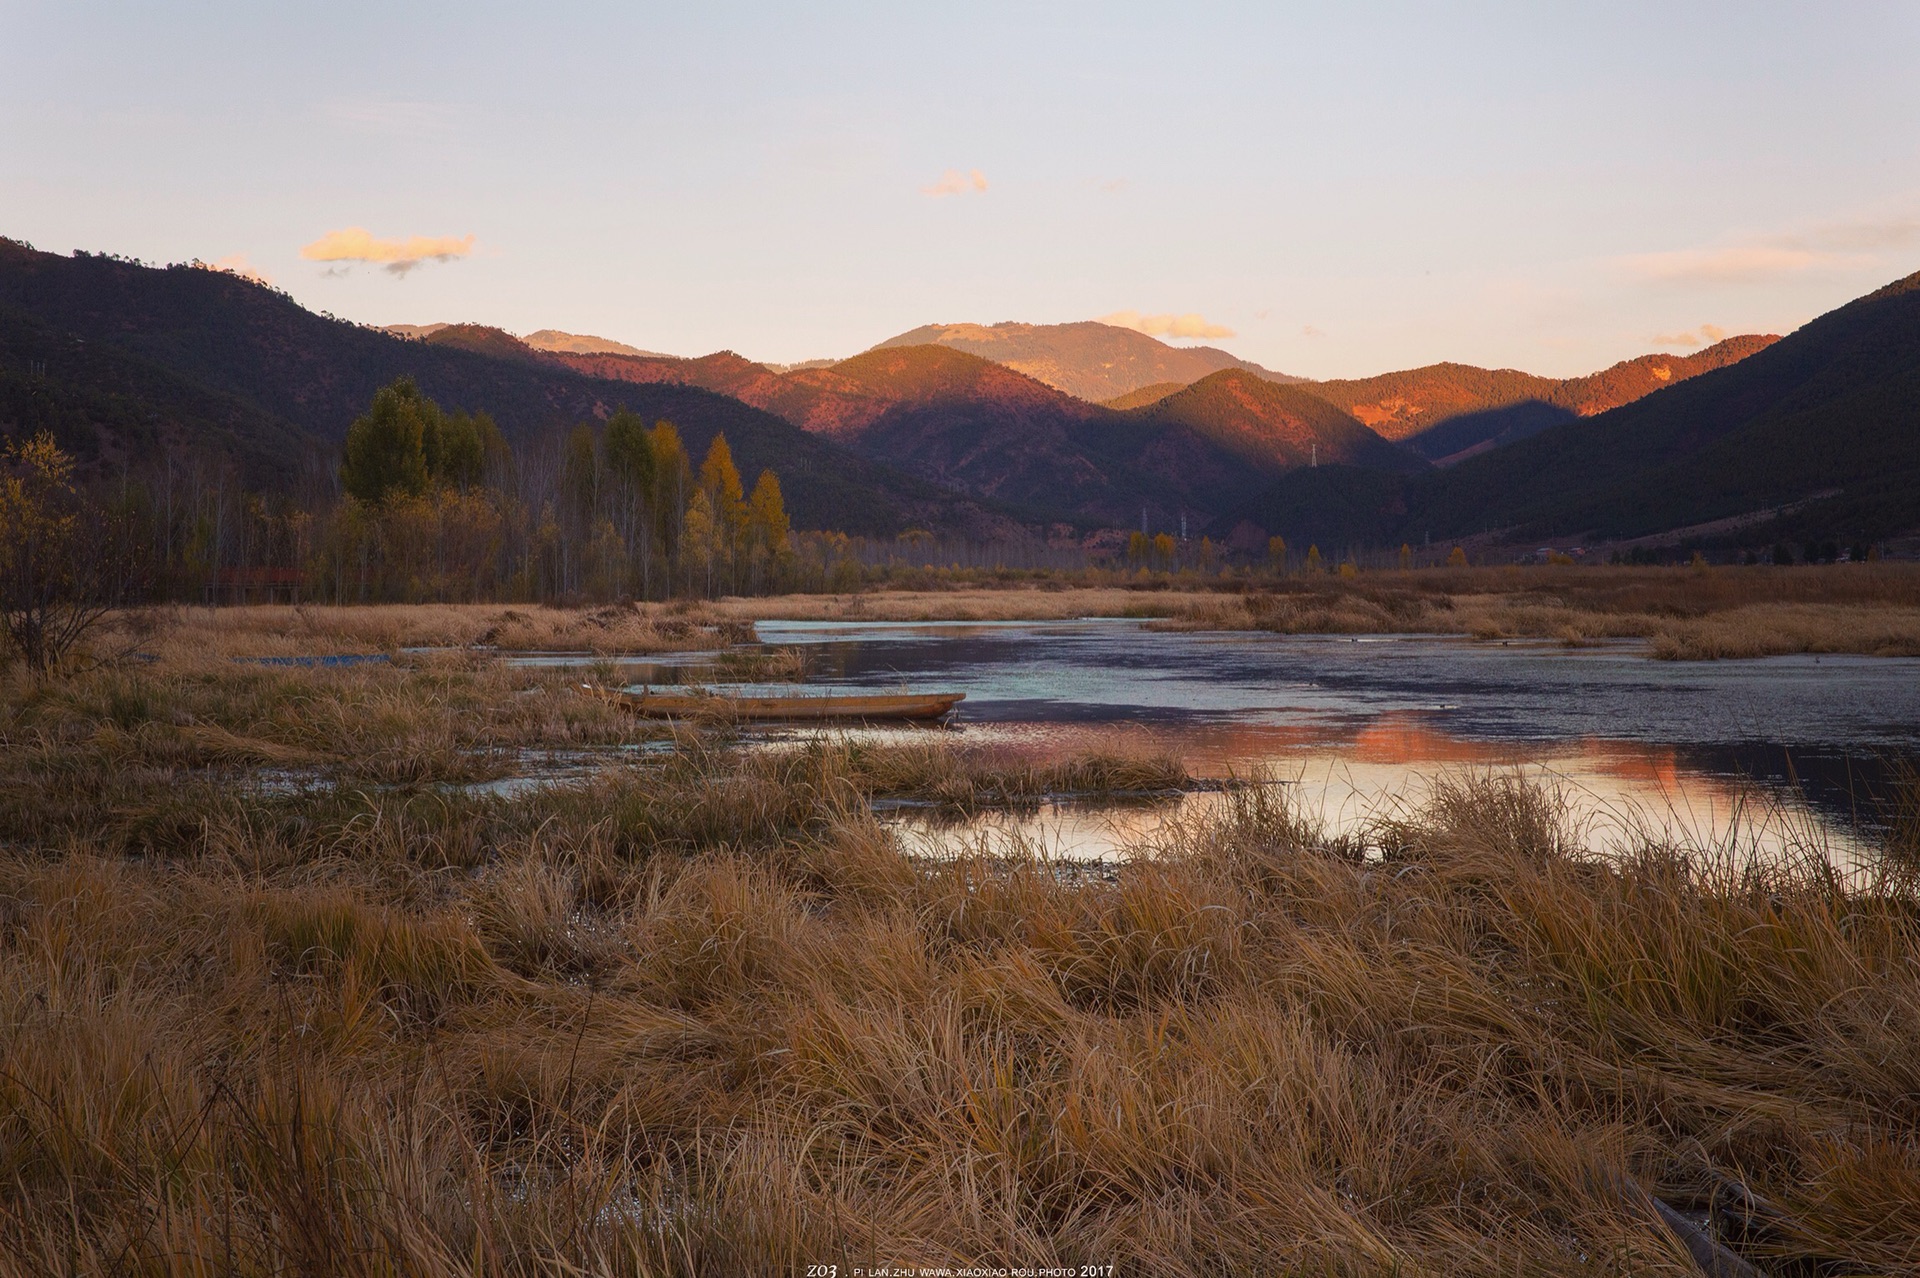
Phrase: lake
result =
(1782, 750)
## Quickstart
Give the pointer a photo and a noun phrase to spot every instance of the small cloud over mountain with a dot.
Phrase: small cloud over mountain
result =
(1705, 335)
(1176, 326)
(954, 182)
(237, 264)
(357, 244)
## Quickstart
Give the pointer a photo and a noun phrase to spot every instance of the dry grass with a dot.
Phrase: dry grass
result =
(275, 630)
(1684, 613)
(966, 779)
(701, 1017)
(1026, 602)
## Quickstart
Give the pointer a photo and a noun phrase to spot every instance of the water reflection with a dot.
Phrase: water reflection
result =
(1784, 752)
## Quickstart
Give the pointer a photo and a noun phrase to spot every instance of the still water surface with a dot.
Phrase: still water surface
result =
(1785, 750)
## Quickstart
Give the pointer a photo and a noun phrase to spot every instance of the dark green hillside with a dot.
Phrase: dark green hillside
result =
(1333, 507)
(111, 410)
(1835, 405)
(483, 340)
(1145, 395)
(1818, 434)
(1402, 404)
(1449, 411)
(979, 426)
(1274, 427)
(300, 375)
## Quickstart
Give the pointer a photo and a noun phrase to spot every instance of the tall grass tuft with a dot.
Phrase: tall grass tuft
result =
(703, 1016)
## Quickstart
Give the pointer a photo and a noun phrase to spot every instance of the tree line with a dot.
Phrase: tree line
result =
(436, 505)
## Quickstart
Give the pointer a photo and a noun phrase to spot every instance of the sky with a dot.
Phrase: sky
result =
(1328, 189)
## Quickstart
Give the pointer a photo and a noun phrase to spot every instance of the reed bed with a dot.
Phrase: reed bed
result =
(181, 634)
(701, 1016)
(1062, 598)
(966, 779)
(1685, 614)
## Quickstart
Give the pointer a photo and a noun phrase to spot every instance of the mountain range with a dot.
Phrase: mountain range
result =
(986, 429)
(1816, 434)
(1812, 431)
(142, 365)
(1088, 360)
(1449, 412)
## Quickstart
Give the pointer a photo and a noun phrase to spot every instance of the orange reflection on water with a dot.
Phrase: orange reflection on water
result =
(1616, 792)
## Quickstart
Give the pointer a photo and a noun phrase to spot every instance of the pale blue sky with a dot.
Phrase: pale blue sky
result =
(1348, 187)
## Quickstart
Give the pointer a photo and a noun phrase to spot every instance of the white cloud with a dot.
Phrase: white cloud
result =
(954, 182)
(1705, 335)
(1188, 325)
(357, 244)
(1844, 244)
(237, 264)
(1738, 265)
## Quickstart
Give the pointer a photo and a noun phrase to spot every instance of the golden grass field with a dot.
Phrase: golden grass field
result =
(1682, 613)
(278, 995)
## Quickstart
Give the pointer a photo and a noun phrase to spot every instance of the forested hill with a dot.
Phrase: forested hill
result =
(250, 372)
(1816, 435)
(111, 410)
(983, 427)
(1088, 360)
(1272, 426)
(1448, 412)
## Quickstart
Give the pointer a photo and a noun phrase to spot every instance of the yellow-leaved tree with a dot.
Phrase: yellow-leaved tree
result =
(769, 534)
(65, 564)
(700, 544)
(726, 501)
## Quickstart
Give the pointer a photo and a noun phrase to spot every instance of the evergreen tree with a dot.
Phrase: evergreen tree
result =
(632, 483)
(405, 444)
(460, 450)
(629, 454)
(386, 449)
(580, 473)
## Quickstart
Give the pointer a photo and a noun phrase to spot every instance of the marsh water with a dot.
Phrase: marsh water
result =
(1782, 750)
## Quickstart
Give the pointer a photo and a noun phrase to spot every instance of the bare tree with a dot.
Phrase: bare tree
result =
(65, 562)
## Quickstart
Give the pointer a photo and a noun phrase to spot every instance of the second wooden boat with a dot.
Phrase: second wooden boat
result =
(922, 706)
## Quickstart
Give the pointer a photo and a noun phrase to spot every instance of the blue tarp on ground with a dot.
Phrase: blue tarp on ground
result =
(339, 659)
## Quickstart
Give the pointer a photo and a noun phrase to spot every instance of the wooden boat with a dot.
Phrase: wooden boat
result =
(931, 705)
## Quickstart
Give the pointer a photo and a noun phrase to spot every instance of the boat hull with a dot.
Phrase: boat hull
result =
(789, 709)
